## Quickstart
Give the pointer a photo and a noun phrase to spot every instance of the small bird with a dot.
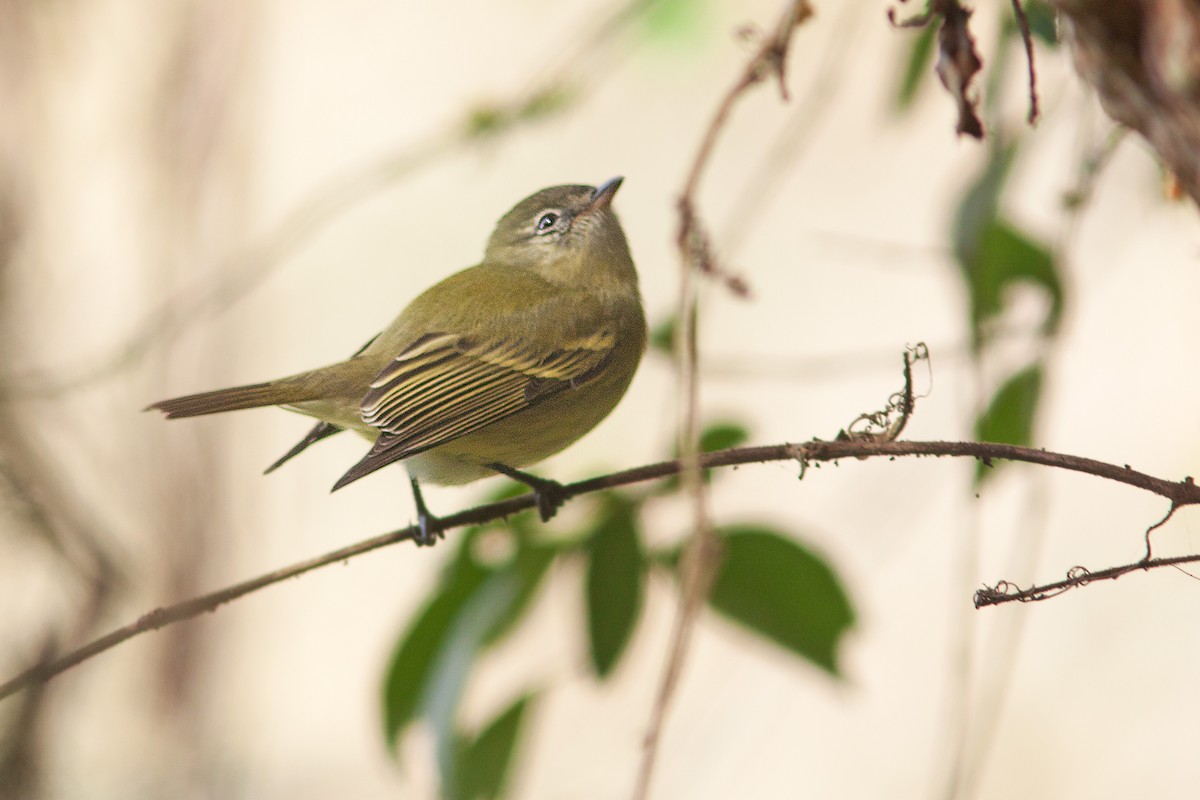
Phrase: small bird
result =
(494, 368)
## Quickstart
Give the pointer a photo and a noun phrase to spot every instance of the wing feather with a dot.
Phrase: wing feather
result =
(445, 386)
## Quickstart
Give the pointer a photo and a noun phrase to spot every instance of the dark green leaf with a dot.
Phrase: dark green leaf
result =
(664, 558)
(408, 675)
(773, 586)
(1009, 418)
(722, 436)
(992, 254)
(528, 568)
(1002, 257)
(614, 582)
(475, 605)
(1042, 21)
(917, 66)
(482, 765)
(451, 669)
(1006, 256)
(980, 205)
(662, 337)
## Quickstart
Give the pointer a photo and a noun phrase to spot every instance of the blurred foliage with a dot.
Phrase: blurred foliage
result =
(662, 337)
(1009, 416)
(615, 574)
(919, 59)
(1043, 22)
(489, 120)
(1006, 256)
(482, 764)
(722, 436)
(773, 586)
(767, 583)
(993, 253)
(917, 65)
(680, 23)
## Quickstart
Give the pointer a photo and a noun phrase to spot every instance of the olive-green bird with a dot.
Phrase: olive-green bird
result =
(495, 368)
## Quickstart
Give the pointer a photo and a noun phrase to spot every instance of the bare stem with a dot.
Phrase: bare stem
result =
(703, 552)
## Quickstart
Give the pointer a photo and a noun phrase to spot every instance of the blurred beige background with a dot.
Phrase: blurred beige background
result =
(152, 149)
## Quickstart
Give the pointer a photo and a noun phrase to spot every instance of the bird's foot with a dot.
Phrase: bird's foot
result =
(429, 527)
(549, 495)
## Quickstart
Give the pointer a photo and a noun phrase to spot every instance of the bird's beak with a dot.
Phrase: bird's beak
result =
(602, 197)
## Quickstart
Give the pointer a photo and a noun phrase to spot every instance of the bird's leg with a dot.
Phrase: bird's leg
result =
(550, 495)
(429, 527)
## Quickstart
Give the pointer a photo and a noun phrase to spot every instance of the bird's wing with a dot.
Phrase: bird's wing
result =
(445, 386)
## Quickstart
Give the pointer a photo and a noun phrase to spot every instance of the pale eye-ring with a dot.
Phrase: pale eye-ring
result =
(546, 222)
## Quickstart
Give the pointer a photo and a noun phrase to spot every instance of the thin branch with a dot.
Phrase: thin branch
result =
(702, 554)
(1180, 493)
(1166, 518)
(808, 116)
(1005, 592)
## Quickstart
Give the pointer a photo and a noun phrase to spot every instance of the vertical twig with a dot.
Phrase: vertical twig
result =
(702, 554)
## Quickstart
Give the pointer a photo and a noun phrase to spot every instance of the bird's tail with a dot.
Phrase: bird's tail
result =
(273, 393)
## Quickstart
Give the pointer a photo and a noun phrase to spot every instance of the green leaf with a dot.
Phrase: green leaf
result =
(409, 673)
(615, 572)
(474, 607)
(917, 66)
(1009, 418)
(662, 337)
(722, 436)
(455, 660)
(1042, 22)
(664, 558)
(1005, 257)
(992, 254)
(980, 204)
(773, 586)
(482, 766)
(528, 568)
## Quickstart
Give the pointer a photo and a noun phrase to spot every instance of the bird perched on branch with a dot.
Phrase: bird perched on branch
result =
(494, 368)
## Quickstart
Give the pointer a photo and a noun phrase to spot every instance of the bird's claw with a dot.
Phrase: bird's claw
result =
(429, 530)
(549, 495)
(429, 527)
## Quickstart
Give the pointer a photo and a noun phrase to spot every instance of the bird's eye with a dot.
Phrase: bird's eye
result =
(546, 222)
